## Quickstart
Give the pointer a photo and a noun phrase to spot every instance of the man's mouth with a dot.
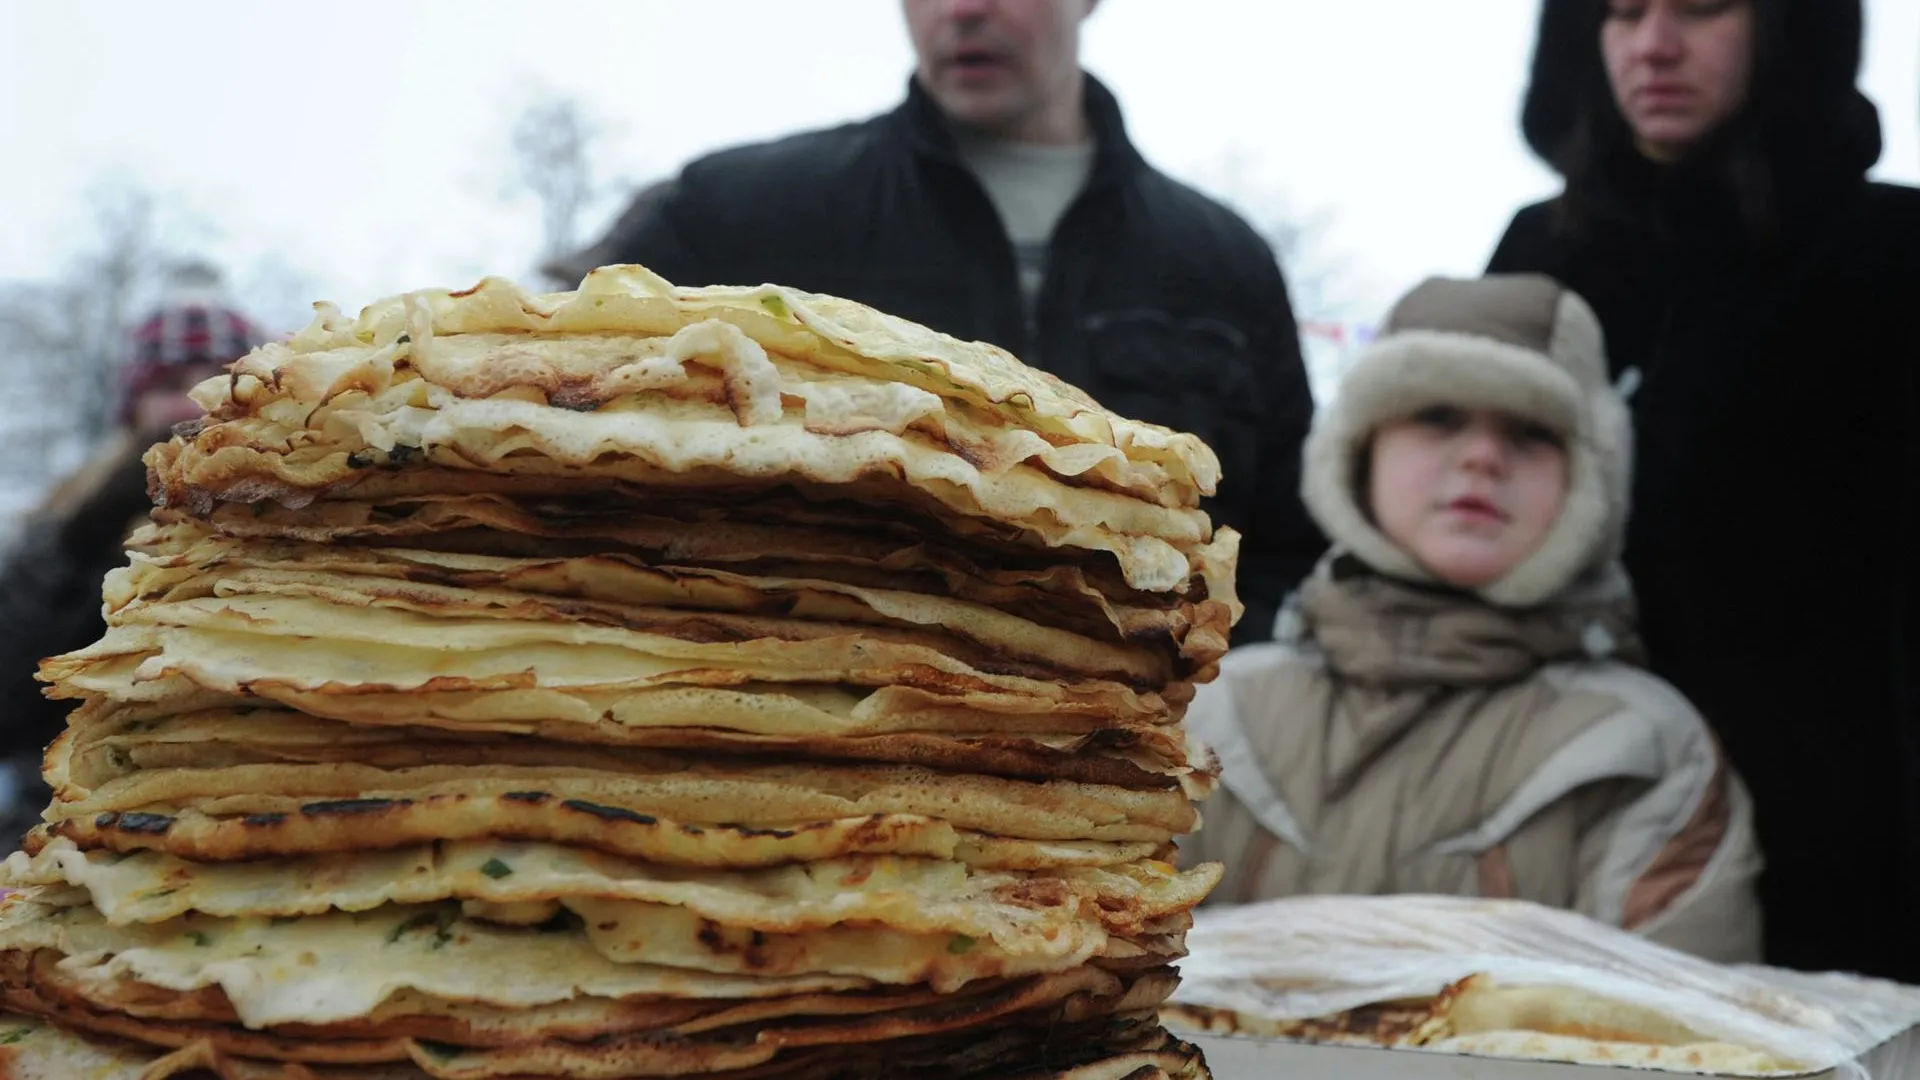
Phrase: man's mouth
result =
(976, 61)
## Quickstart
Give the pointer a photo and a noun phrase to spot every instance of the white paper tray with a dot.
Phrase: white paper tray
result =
(1232, 1057)
(1315, 956)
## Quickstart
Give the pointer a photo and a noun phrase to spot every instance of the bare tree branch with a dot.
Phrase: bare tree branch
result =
(64, 341)
(103, 292)
(553, 141)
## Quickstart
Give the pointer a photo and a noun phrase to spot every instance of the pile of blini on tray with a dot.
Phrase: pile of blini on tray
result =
(631, 682)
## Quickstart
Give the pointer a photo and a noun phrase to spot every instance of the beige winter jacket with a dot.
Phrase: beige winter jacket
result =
(1410, 739)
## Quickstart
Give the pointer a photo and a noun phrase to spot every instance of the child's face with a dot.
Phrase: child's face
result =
(1469, 493)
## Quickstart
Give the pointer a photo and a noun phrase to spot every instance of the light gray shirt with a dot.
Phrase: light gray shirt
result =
(1031, 185)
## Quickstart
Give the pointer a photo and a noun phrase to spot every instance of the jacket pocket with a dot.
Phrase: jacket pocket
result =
(1190, 373)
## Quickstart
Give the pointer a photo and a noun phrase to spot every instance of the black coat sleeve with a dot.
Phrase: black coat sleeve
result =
(47, 605)
(1911, 622)
(1281, 542)
(50, 594)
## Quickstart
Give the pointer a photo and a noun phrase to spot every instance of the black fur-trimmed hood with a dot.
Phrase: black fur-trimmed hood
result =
(1805, 118)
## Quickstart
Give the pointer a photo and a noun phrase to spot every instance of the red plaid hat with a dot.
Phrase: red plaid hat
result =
(193, 334)
(179, 335)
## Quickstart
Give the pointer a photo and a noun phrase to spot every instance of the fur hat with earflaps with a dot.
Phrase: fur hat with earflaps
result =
(1521, 344)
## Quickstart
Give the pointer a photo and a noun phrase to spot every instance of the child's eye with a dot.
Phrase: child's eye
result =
(1534, 435)
(1626, 10)
(1443, 417)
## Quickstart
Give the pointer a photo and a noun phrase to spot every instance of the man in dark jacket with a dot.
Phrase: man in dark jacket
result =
(1003, 202)
(1760, 292)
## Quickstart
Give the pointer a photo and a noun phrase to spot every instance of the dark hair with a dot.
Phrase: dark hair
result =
(1802, 128)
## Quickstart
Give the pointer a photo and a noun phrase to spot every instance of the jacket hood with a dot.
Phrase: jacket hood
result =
(1519, 343)
(1805, 117)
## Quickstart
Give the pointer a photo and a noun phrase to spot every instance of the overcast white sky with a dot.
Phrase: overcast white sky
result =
(357, 148)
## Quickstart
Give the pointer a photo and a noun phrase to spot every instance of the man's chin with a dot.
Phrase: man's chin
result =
(987, 112)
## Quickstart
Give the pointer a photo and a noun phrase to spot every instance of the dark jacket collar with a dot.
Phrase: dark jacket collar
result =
(920, 121)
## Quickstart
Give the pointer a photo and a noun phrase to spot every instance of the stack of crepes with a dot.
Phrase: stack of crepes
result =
(631, 682)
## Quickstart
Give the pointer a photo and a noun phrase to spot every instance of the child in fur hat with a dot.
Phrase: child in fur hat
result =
(1451, 703)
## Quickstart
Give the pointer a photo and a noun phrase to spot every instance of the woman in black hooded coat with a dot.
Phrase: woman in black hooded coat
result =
(1760, 293)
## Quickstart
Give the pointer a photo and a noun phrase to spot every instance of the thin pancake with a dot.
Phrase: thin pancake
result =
(1126, 1050)
(1395, 1023)
(772, 534)
(627, 1056)
(1041, 913)
(414, 1016)
(543, 816)
(238, 645)
(1071, 998)
(713, 520)
(819, 333)
(363, 400)
(33, 1049)
(686, 789)
(274, 972)
(610, 590)
(101, 752)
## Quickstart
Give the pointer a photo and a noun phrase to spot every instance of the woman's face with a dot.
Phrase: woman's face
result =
(1679, 68)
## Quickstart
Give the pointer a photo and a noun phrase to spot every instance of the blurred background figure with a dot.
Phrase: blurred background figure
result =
(50, 582)
(1002, 201)
(1758, 289)
(193, 334)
